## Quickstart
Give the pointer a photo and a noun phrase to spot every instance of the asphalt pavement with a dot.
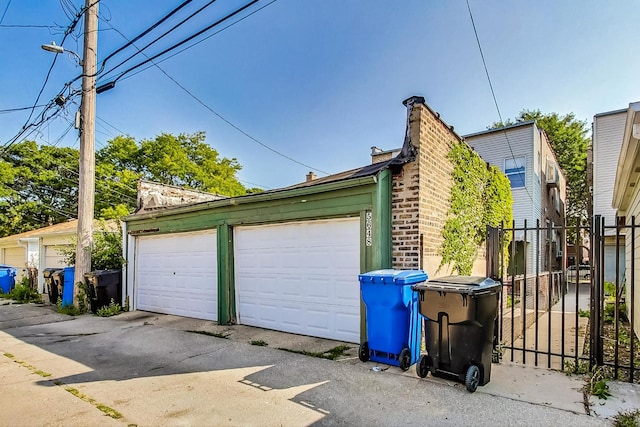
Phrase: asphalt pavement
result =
(142, 369)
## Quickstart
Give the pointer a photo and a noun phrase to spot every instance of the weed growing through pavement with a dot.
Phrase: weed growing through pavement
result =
(109, 310)
(69, 309)
(105, 409)
(331, 354)
(28, 366)
(259, 343)
(598, 383)
(573, 368)
(627, 419)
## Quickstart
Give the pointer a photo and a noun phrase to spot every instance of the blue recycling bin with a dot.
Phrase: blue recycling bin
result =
(67, 289)
(394, 329)
(7, 278)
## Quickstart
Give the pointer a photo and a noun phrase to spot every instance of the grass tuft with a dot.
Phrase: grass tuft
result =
(331, 354)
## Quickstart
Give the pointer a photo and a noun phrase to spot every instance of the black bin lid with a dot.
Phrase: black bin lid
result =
(460, 284)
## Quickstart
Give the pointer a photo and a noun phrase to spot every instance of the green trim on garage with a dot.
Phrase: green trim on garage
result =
(363, 197)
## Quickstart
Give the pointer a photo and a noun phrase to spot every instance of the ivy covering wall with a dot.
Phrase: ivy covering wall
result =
(480, 196)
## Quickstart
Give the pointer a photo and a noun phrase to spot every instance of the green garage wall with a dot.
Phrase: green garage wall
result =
(368, 197)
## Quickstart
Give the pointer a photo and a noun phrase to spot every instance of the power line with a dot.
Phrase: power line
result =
(191, 37)
(148, 30)
(215, 112)
(26, 125)
(11, 110)
(59, 27)
(495, 100)
(5, 11)
(201, 40)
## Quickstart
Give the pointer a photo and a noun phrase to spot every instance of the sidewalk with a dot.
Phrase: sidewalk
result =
(624, 397)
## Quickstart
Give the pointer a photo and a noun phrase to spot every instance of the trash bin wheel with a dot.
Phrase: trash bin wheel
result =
(472, 379)
(424, 365)
(363, 352)
(405, 359)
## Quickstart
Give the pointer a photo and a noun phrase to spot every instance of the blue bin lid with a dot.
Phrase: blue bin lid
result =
(391, 276)
(9, 269)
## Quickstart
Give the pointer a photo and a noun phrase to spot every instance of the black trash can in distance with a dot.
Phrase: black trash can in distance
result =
(50, 284)
(58, 283)
(460, 313)
(104, 286)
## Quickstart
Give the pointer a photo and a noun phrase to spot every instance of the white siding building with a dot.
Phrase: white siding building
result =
(524, 154)
(626, 200)
(608, 133)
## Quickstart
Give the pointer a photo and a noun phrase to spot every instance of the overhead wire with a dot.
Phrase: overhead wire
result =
(493, 93)
(237, 128)
(26, 125)
(12, 110)
(200, 41)
(188, 39)
(147, 31)
(5, 11)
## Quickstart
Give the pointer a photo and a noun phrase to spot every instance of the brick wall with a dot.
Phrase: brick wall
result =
(421, 192)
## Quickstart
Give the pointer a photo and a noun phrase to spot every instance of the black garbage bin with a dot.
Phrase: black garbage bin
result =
(58, 282)
(460, 313)
(104, 286)
(50, 285)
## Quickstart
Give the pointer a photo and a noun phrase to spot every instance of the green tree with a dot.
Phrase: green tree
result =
(38, 186)
(185, 160)
(569, 140)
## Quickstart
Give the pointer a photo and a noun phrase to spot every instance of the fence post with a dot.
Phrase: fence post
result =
(595, 330)
(493, 253)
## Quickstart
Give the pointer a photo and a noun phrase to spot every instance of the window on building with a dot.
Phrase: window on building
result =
(514, 169)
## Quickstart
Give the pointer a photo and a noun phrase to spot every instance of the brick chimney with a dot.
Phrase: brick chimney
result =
(311, 176)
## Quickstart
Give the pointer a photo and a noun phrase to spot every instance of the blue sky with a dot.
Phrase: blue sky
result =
(321, 81)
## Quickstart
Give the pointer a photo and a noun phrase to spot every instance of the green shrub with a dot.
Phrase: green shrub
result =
(584, 313)
(610, 312)
(109, 310)
(22, 293)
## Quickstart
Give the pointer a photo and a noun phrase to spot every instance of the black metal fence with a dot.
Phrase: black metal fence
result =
(568, 295)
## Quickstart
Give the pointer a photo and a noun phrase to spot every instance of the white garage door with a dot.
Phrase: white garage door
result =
(300, 277)
(53, 258)
(15, 257)
(178, 274)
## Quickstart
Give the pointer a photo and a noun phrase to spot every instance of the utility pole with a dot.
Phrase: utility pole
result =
(87, 169)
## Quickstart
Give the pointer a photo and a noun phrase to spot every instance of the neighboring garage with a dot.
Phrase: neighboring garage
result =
(300, 277)
(15, 257)
(53, 256)
(177, 274)
(286, 259)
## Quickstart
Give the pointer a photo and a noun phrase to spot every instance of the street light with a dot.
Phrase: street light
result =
(53, 47)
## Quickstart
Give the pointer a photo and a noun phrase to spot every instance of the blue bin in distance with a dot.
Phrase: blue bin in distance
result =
(394, 327)
(7, 278)
(67, 289)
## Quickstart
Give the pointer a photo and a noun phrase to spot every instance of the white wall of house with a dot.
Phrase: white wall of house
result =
(608, 132)
(626, 199)
(513, 142)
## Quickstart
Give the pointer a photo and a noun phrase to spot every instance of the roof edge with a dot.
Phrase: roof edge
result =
(505, 128)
